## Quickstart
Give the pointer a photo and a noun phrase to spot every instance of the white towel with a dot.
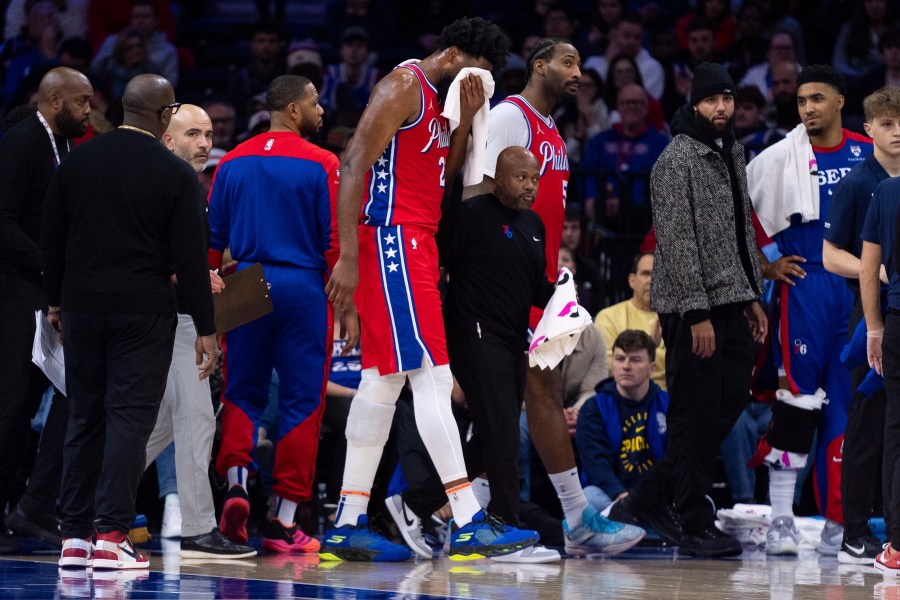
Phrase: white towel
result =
(47, 352)
(783, 181)
(476, 150)
(556, 335)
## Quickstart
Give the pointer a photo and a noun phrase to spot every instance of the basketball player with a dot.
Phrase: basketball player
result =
(396, 167)
(553, 69)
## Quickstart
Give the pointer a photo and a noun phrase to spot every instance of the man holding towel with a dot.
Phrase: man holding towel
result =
(553, 69)
(395, 170)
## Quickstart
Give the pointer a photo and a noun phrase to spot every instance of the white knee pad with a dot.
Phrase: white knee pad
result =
(372, 409)
(431, 388)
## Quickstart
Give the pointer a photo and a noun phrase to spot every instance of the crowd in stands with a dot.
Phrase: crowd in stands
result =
(637, 63)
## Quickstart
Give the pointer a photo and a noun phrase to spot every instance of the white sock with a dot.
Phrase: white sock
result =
(571, 496)
(463, 503)
(353, 503)
(172, 499)
(285, 511)
(237, 476)
(481, 487)
(781, 491)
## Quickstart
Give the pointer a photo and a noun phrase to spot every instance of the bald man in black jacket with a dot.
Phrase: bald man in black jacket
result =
(122, 214)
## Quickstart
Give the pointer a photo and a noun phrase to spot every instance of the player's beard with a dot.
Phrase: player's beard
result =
(815, 131)
(443, 87)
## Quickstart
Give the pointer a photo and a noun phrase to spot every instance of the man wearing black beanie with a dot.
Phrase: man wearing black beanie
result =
(706, 282)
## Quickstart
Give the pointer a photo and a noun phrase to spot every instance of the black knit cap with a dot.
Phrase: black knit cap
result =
(710, 79)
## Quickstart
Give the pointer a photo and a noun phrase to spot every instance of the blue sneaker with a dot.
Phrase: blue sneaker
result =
(486, 536)
(599, 535)
(361, 543)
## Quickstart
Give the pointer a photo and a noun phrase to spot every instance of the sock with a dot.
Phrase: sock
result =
(237, 476)
(781, 491)
(481, 487)
(353, 503)
(285, 511)
(571, 496)
(172, 499)
(463, 503)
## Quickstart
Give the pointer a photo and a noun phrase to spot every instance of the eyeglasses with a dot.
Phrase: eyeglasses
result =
(174, 106)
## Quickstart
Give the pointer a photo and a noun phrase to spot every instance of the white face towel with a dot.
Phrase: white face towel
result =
(783, 180)
(557, 333)
(476, 150)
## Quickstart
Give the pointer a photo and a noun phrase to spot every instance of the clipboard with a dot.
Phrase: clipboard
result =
(244, 299)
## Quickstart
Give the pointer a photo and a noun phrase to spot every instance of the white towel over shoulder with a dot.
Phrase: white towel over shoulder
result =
(476, 150)
(558, 331)
(782, 181)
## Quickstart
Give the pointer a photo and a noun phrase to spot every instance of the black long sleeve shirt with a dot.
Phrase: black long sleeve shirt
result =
(496, 262)
(26, 166)
(121, 215)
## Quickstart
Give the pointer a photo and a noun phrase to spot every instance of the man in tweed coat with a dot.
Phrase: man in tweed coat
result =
(706, 282)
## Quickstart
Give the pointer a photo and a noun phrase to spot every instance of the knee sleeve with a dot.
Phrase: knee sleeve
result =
(372, 409)
(431, 388)
(794, 420)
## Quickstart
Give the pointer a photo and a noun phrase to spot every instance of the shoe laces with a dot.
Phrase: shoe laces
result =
(496, 523)
(377, 529)
(600, 523)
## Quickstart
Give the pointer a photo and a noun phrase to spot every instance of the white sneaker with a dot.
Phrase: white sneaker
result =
(531, 555)
(171, 524)
(76, 553)
(114, 550)
(410, 526)
(832, 538)
(783, 538)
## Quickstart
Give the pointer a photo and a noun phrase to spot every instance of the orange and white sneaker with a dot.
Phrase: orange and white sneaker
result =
(114, 550)
(77, 553)
(888, 562)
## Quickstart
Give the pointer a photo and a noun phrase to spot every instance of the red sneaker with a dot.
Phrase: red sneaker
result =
(76, 553)
(888, 563)
(283, 539)
(233, 523)
(115, 551)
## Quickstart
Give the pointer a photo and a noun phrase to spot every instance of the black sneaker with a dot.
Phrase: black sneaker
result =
(709, 543)
(8, 543)
(859, 550)
(213, 545)
(658, 516)
(40, 527)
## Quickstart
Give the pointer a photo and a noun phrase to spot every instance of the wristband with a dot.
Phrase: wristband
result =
(877, 333)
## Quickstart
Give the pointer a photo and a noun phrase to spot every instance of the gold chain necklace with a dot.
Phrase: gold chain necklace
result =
(138, 129)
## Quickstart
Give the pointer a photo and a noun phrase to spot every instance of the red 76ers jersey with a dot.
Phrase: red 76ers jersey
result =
(406, 183)
(545, 142)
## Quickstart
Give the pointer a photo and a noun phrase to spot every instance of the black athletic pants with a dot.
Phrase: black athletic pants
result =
(491, 373)
(21, 383)
(116, 367)
(890, 348)
(863, 447)
(492, 376)
(706, 396)
(43, 484)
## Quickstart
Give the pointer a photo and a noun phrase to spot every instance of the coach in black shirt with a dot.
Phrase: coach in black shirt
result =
(493, 248)
(29, 154)
(121, 215)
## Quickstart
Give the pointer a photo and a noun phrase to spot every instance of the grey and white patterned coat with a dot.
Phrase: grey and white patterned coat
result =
(698, 265)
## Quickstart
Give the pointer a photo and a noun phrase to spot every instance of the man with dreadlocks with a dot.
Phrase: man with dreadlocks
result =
(398, 163)
(553, 69)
